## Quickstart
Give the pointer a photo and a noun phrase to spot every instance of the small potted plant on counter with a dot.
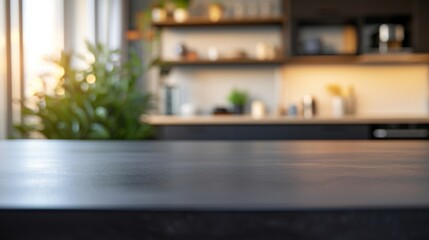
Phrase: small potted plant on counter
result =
(238, 100)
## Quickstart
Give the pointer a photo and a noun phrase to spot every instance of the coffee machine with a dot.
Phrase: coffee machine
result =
(391, 37)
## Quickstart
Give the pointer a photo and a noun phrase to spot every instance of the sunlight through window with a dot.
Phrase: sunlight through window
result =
(43, 36)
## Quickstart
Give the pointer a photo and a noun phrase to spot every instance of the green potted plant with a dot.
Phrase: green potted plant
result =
(238, 100)
(101, 101)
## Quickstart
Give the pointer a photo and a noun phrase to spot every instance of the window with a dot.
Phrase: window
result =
(43, 36)
(31, 31)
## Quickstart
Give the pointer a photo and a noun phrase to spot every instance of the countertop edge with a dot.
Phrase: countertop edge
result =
(274, 120)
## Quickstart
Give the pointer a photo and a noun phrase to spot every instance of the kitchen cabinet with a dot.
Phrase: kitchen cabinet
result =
(313, 9)
(325, 8)
(325, 27)
(262, 132)
(296, 131)
(298, 14)
(387, 7)
(421, 26)
(412, 14)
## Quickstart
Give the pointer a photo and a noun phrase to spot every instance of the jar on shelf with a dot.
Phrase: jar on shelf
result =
(216, 12)
(180, 15)
(158, 14)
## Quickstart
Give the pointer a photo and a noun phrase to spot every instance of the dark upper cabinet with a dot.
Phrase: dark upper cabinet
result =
(351, 8)
(421, 26)
(362, 15)
(326, 8)
(387, 7)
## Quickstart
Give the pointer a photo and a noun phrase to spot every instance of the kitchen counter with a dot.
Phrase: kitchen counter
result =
(214, 190)
(287, 128)
(159, 120)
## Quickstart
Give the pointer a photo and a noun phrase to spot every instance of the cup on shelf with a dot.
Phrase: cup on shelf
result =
(216, 12)
(213, 54)
(180, 15)
(265, 51)
(159, 14)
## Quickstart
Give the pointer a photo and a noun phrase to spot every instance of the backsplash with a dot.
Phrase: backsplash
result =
(209, 87)
(379, 89)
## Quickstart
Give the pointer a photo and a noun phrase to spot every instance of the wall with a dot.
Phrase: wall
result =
(207, 87)
(379, 89)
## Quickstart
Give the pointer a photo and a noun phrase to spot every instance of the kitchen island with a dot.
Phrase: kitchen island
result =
(214, 190)
(358, 127)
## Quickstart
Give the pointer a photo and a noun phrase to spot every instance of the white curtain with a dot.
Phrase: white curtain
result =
(93, 21)
(3, 93)
(110, 23)
(43, 35)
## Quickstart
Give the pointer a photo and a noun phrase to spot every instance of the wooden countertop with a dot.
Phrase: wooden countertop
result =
(278, 120)
(37, 174)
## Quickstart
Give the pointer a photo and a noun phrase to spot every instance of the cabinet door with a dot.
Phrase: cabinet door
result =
(263, 132)
(421, 26)
(311, 9)
(388, 7)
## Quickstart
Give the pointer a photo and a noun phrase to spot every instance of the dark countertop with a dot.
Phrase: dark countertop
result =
(214, 190)
(213, 175)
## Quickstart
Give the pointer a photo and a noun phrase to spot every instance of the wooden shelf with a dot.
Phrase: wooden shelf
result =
(224, 62)
(370, 59)
(328, 59)
(394, 58)
(203, 22)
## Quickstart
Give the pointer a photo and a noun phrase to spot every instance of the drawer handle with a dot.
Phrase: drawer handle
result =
(400, 133)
